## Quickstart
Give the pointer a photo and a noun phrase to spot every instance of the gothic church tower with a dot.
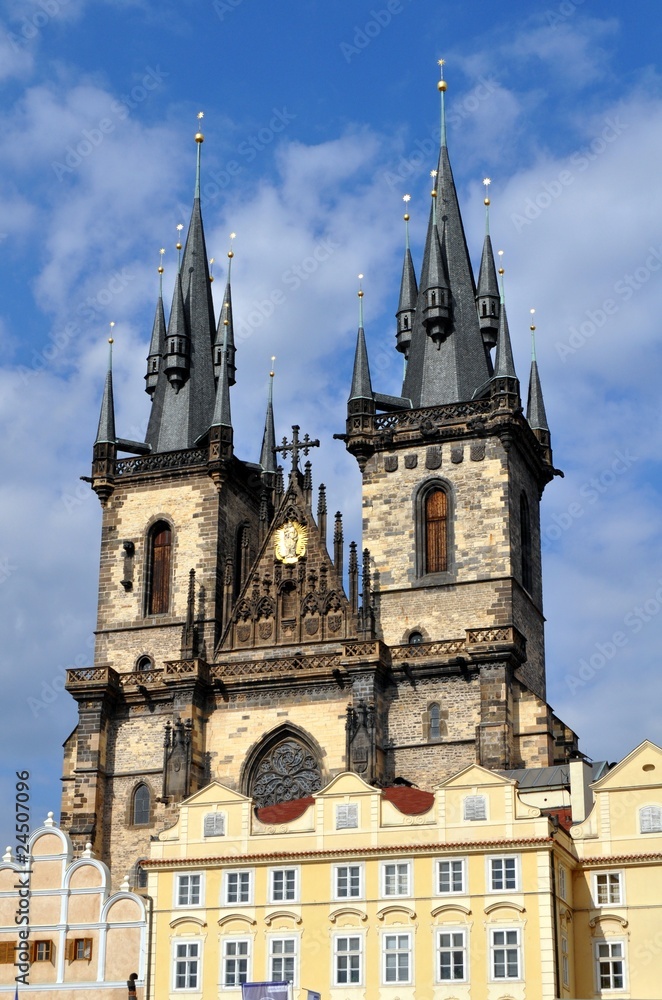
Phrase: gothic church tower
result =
(234, 645)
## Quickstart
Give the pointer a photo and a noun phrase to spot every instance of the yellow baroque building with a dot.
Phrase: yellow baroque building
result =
(467, 893)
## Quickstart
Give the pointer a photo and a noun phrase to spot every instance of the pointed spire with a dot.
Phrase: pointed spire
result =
(504, 365)
(268, 453)
(176, 354)
(226, 326)
(361, 384)
(222, 416)
(157, 342)
(535, 406)
(451, 367)
(487, 296)
(442, 86)
(106, 430)
(408, 293)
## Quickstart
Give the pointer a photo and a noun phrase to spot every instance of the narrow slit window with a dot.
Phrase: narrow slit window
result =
(159, 576)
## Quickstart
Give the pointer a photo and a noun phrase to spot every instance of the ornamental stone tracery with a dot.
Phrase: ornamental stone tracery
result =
(288, 771)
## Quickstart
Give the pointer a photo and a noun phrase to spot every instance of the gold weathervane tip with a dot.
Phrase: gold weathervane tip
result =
(199, 137)
(360, 292)
(272, 372)
(161, 252)
(231, 251)
(111, 339)
(487, 181)
(442, 85)
(500, 253)
(406, 198)
(533, 312)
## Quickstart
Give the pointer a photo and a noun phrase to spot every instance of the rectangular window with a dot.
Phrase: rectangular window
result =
(503, 874)
(41, 951)
(452, 956)
(609, 889)
(7, 952)
(347, 816)
(347, 960)
(284, 885)
(395, 879)
(397, 958)
(347, 880)
(214, 825)
(611, 965)
(187, 966)
(505, 954)
(79, 950)
(475, 807)
(235, 963)
(238, 887)
(282, 959)
(451, 876)
(188, 890)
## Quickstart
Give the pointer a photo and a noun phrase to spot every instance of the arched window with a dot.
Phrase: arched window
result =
(284, 767)
(141, 806)
(415, 638)
(650, 819)
(434, 729)
(525, 542)
(160, 559)
(436, 531)
(144, 663)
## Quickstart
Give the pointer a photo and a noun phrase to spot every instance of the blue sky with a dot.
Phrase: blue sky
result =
(318, 119)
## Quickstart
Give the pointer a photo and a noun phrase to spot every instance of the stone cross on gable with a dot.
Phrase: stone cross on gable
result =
(295, 446)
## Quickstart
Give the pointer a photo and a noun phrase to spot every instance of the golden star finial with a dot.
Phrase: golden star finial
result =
(433, 173)
(406, 197)
(441, 62)
(201, 115)
(487, 181)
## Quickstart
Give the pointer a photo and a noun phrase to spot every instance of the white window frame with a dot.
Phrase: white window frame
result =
(472, 799)
(187, 943)
(656, 826)
(225, 958)
(201, 890)
(396, 932)
(273, 938)
(610, 943)
(297, 883)
(437, 875)
(503, 858)
(250, 872)
(464, 948)
(608, 875)
(493, 978)
(336, 874)
(382, 879)
(349, 933)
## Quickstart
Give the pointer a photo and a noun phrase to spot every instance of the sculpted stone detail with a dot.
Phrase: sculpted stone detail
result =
(477, 451)
(433, 457)
(411, 461)
(391, 463)
(289, 771)
(290, 542)
(457, 453)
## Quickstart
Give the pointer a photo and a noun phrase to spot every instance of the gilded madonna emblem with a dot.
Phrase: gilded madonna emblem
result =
(290, 542)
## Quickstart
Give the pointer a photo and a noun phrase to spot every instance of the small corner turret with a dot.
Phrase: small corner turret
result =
(104, 452)
(361, 403)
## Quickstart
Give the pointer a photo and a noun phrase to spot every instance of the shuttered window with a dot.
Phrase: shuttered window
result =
(160, 559)
(436, 532)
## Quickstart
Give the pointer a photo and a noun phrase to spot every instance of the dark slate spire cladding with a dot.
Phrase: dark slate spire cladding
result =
(184, 397)
(488, 295)
(408, 297)
(157, 343)
(452, 368)
(504, 365)
(106, 430)
(268, 452)
(361, 383)
(225, 330)
(535, 407)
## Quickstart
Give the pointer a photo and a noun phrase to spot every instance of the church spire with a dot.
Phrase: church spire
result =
(488, 290)
(504, 365)
(106, 429)
(157, 342)
(361, 383)
(184, 395)
(268, 452)
(408, 292)
(225, 328)
(453, 365)
(535, 407)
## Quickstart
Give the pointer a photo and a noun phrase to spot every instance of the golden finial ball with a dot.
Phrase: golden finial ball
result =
(486, 201)
(501, 271)
(406, 216)
(110, 340)
(199, 137)
(178, 246)
(360, 294)
(211, 277)
(433, 192)
(442, 85)
(230, 254)
(226, 322)
(532, 328)
(160, 270)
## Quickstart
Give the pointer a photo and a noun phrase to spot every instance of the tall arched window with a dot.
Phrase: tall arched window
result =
(436, 531)
(525, 542)
(141, 806)
(160, 559)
